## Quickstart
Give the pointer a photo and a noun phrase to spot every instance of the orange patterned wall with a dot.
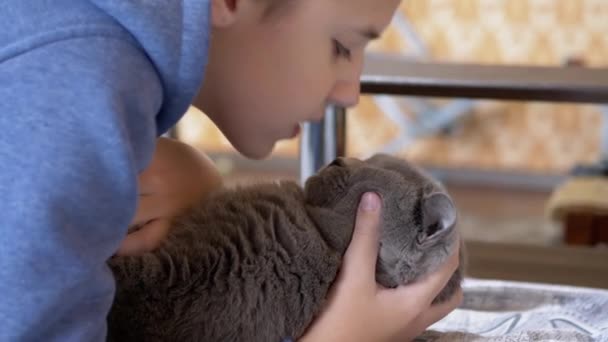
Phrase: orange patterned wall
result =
(536, 137)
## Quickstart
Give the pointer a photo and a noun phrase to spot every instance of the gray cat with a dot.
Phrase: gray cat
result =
(256, 263)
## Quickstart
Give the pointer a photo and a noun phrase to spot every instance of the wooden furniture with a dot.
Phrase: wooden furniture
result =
(581, 204)
(586, 229)
(576, 266)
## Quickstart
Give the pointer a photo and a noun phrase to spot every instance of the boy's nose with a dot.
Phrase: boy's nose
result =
(345, 93)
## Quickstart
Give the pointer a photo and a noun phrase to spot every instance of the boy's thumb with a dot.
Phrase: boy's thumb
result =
(362, 253)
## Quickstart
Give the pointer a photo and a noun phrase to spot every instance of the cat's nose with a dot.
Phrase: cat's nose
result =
(345, 162)
(338, 162)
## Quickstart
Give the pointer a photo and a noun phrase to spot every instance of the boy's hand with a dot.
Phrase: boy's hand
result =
(177, 177)
(359, 309)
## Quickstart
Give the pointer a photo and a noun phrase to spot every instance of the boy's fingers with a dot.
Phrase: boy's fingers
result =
(362, 253)
(146, 239)
(154, 206)
(147, 209)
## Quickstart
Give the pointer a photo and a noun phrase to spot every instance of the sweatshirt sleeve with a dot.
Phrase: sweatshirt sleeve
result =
(77, 124)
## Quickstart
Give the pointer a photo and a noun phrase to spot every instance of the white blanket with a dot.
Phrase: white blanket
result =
(521, 312)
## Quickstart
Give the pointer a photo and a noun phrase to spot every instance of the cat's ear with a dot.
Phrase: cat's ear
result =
(438, 217)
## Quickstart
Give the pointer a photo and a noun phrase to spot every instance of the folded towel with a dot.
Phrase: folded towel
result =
(579, 194)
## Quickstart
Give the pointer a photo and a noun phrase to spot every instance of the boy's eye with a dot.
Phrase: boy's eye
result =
(340, 51)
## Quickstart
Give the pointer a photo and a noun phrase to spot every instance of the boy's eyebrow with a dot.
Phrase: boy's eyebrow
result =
(369, 33)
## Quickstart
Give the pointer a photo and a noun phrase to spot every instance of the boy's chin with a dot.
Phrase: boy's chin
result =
(254, 150)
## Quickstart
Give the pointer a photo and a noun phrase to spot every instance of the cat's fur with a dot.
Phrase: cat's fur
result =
(256, 263)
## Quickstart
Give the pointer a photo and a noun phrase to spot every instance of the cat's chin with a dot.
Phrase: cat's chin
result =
(386, 274)
(393, 279)
(387, 280)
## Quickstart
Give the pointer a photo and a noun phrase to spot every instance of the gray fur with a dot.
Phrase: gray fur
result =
(255, 263)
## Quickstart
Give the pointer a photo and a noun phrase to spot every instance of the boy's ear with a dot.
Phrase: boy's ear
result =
(224, 12)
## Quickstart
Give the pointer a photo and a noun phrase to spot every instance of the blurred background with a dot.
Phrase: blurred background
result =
(500, 160)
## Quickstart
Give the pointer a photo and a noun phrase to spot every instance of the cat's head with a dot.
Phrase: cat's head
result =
(418, 216)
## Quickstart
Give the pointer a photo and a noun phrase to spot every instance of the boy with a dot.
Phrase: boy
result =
(88, 85)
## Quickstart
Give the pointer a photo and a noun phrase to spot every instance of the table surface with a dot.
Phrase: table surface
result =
(393, 75)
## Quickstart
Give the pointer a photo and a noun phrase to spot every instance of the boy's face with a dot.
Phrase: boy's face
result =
(267, 74)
